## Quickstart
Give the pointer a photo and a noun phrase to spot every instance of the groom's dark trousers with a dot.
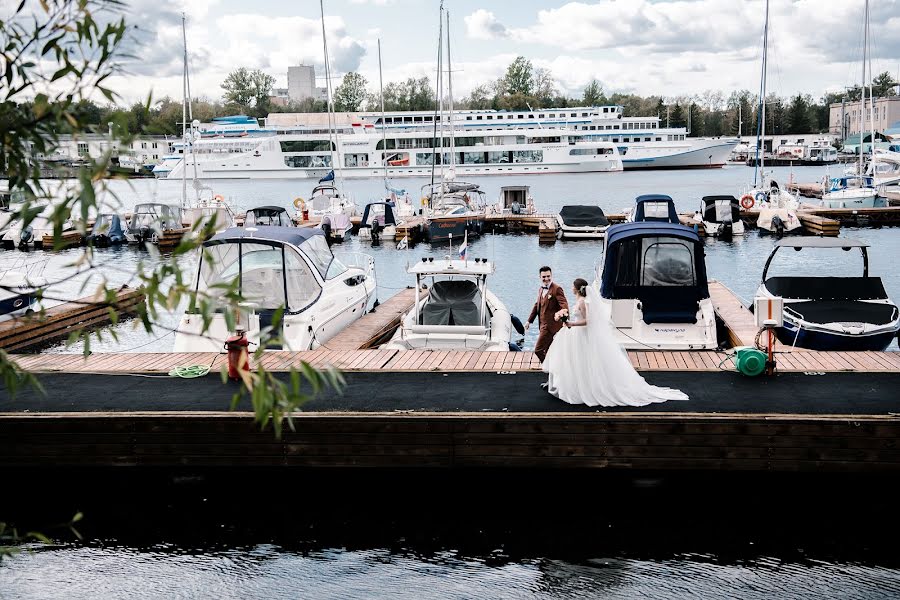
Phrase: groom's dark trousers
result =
(545, 307)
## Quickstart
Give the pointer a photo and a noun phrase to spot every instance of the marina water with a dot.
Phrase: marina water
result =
(413, 535)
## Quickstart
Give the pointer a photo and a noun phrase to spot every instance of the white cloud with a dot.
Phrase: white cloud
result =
(483, 25)
(375, 2)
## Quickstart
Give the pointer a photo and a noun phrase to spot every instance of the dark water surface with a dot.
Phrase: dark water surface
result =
(485, 535)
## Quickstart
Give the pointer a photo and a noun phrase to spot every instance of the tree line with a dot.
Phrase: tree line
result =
(522, 87)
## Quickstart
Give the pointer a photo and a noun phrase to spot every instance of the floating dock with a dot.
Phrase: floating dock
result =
(58, 322)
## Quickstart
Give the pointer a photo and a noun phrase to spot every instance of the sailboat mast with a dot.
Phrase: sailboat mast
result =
(761, 141)
(383, 129)
(871, 97)
(862, 88)
(190, 109)
(440, 90)
(184, 103)
(329, 99)
(450, 103)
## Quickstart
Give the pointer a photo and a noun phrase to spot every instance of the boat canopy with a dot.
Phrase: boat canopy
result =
(655, 207)
(820, 242)
(154, 214)
(661, 264)
(275, 268)
(514, 194)
(581, 215)
(267, 216)
(382, 211)
(453, 302)
(721, 209)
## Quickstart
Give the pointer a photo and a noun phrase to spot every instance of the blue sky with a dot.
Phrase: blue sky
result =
(667, 47)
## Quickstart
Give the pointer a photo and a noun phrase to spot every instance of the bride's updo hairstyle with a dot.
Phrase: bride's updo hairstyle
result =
(580, 286)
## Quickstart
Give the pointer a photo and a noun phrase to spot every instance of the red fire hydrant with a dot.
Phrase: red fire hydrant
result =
(238, 355)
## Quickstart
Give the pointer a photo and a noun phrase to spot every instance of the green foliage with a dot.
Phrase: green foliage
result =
(245, 88)
(351, 94)
(677, 117)
(884, 85)
(519, 77)
(593, 94)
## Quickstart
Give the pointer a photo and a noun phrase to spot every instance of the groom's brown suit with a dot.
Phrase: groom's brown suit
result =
(545, 307)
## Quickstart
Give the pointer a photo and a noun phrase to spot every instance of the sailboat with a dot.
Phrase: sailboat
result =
(207, 207)
(455, 208)
(778, 207)
(857, 191)
(328, 201)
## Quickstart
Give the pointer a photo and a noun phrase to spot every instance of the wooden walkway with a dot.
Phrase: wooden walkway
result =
(738, 319)
(448, 361)
(373, 328)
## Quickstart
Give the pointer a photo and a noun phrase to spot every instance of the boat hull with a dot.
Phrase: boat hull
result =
(707, 156)
(445, 229)
(812, 339)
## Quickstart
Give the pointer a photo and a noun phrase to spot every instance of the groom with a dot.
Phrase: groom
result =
(551, 299)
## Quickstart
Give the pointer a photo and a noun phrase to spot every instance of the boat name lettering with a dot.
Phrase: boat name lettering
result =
(670, 329)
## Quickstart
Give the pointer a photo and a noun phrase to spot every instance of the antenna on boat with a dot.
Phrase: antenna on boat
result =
(452, 172)
(761, 116)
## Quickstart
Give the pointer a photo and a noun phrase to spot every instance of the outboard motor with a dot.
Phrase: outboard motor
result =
(25, 237)
(326, 229)
(376, 231)
(778, 225)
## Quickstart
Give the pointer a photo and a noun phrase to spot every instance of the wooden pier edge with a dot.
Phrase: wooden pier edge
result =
(610, 441)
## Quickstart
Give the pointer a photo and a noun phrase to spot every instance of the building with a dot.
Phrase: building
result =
(887, 112)
(302, 84)
(146, 150)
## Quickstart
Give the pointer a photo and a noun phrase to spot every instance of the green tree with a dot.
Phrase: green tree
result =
(238, 87)
(798, 114)
(261, 85)
(593, 94)
(677, 117)
(351, 94)
(519, 78)
(883, 85)
(697, 120)
(544, 88)
(478, 99)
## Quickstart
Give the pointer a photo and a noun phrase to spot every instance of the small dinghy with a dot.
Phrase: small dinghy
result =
(832, 313)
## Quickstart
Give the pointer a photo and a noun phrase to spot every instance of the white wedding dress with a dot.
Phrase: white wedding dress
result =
(587, 366)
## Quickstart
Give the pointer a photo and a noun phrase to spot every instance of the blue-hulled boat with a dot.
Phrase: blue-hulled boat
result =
(832, 313)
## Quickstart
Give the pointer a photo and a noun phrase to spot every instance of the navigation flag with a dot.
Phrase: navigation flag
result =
(329, 177)
(464, 247)
(403, 244)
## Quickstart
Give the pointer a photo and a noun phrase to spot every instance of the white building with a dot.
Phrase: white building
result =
(145, 150)
(302, 84)
(887, 112)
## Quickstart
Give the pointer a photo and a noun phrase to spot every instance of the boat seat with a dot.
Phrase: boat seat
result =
(452, 303)
(827, 288)
(843, 311)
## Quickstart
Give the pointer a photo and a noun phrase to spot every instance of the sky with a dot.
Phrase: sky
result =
(648, 47)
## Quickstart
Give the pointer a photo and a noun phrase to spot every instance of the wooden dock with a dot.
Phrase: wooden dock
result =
(376, 327)
(60, 321)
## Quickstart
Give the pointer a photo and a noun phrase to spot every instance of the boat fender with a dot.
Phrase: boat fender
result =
(517, 324)
(514, 347)
(747, 202)
(760, 196)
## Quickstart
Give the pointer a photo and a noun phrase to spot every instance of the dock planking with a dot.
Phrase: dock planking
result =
(375, 327)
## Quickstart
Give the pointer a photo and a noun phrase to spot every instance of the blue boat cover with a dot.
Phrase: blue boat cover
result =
(675, 288)
(640, 214)
(287, 235)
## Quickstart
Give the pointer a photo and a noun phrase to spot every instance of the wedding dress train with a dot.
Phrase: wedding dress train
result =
(587, 366)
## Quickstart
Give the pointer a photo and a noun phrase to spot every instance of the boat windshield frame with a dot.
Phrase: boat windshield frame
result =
(819, 243)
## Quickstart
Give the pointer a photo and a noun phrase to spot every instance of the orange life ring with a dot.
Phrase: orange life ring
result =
(747, 202)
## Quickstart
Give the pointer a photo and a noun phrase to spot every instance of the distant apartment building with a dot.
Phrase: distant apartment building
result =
(145, 150)
(847, 118)
(302, 84)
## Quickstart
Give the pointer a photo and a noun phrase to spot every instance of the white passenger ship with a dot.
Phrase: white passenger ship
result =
(581, 139)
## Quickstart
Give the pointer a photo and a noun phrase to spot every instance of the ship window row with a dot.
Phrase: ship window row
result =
(413, 143)
(513, 116)
(477, 158)
(589, 151)
(598, 127)
(302, 162)
(307, 146)
(650, 125)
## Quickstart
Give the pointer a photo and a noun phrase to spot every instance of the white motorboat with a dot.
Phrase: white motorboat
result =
(778, 221)
(576, 221)
(455, 309)
(831, 313)
(268, 216)
(333, 210)
(456, 209)
(378, 221)
(151, 220)
(653, 281)
(19, 287)
(274, 268)
(720, 216)
(22, 236)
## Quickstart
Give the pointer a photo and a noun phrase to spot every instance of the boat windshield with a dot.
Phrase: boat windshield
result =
(668, 262)
(155, 215)
(269, 277)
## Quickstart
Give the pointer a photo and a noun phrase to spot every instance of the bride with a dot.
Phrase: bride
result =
(587, 366)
